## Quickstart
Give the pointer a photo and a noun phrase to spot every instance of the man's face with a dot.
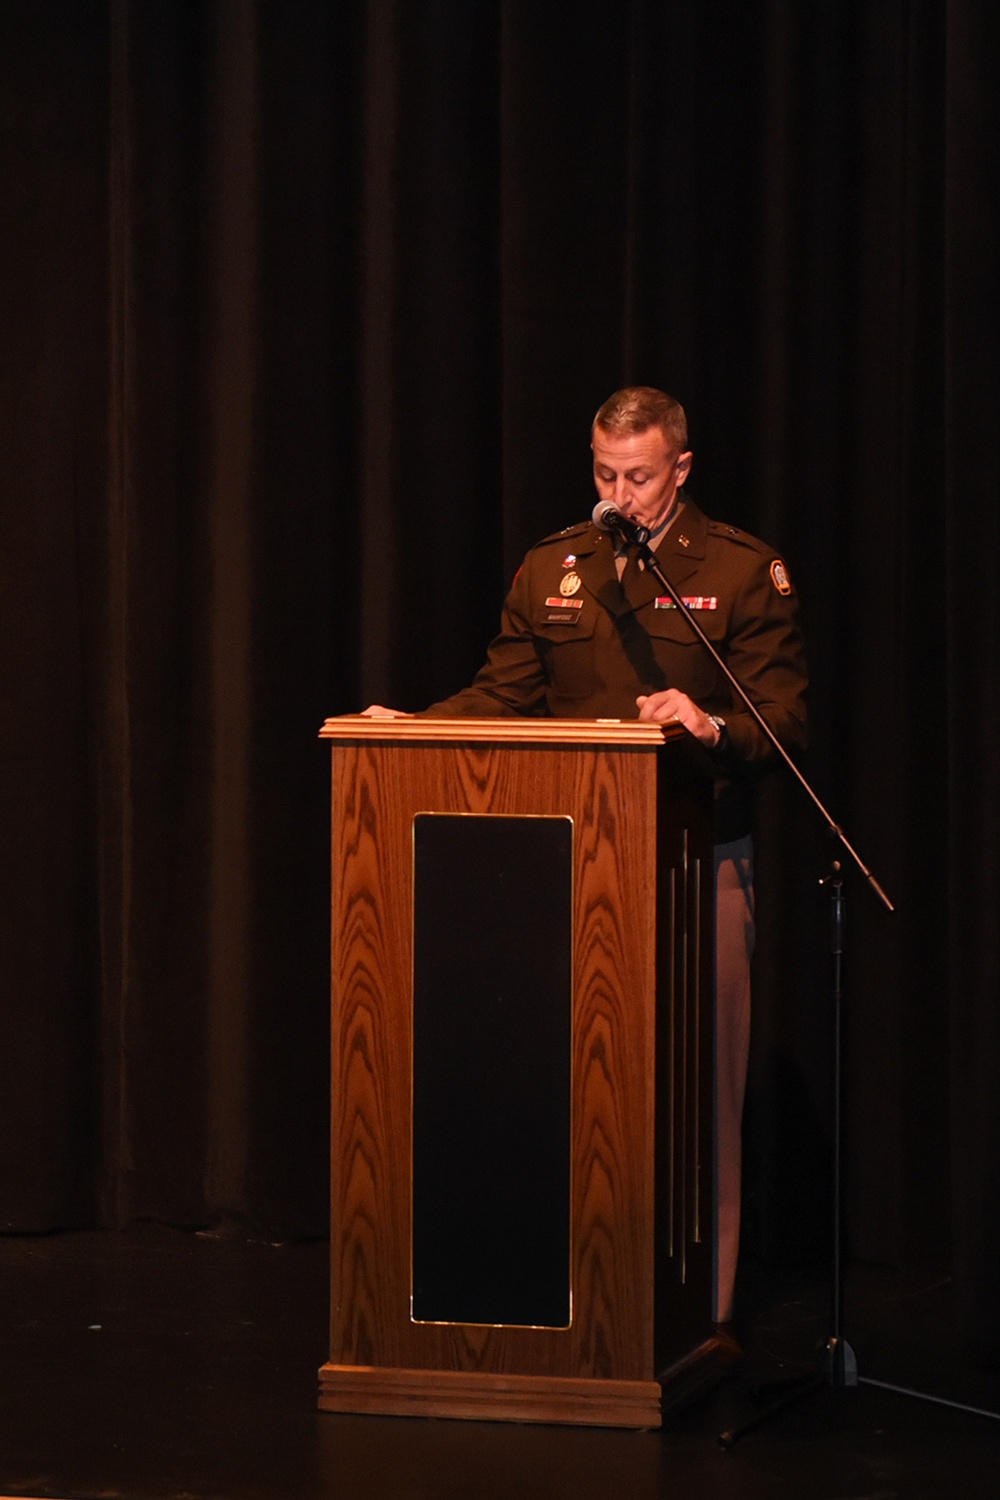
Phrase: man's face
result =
(639, 474)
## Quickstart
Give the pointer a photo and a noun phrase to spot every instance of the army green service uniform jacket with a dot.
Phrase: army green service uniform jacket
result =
(575, 643)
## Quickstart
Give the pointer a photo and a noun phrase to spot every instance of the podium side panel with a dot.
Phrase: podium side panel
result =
(685, 1032)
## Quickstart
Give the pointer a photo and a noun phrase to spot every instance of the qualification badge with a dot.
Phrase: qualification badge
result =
(570, 584)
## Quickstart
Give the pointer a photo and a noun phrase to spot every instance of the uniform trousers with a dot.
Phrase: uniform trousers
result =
(734, 942)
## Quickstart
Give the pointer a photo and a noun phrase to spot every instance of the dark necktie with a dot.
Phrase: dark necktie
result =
(631, 575)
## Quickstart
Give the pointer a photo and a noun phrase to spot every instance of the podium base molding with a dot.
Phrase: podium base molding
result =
(476, 1396)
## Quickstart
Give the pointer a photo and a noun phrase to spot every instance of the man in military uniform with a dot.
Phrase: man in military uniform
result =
(586, 633)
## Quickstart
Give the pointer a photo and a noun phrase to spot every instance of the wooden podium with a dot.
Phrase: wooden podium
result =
(521, 1206)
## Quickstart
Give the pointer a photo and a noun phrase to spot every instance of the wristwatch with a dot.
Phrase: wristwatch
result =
(720, 725)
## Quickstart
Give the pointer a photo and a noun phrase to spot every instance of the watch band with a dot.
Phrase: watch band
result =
(720, 725)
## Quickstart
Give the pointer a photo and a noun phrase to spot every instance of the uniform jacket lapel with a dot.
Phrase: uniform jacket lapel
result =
(679, 555)
(681, 551)
(595, 566)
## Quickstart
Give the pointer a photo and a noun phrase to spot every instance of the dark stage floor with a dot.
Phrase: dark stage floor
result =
(155, 1363)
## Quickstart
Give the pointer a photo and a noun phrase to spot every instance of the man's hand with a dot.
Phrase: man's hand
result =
(376, 711)
(671, 706)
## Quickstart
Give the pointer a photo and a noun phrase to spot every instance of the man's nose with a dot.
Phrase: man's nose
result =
(621, 492)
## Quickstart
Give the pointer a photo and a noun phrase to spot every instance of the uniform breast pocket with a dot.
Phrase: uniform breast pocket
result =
(566, 647)
(682, 657)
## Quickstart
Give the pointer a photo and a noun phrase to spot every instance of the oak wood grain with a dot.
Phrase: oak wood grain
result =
(510, 1398)
(609, 786)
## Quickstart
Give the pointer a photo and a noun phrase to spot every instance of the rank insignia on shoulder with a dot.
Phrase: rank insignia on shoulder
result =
(569, 559)
(570, 584)
(690, 601)
(780, 578)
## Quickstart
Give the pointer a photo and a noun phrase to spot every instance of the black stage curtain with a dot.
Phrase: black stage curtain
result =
(306, 308)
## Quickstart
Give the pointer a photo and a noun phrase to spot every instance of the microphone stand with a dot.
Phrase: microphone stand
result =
(638, 537)
(838, 1367)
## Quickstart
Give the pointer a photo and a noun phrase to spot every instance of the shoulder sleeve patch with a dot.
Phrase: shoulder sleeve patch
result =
(780, 578)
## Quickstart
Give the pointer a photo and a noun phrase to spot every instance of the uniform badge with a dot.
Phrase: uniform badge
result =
(780, 578)
(684, 541)
(569, 559)
(570, 584)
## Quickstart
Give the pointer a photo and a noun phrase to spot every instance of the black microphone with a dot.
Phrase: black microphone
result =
(607, 518)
